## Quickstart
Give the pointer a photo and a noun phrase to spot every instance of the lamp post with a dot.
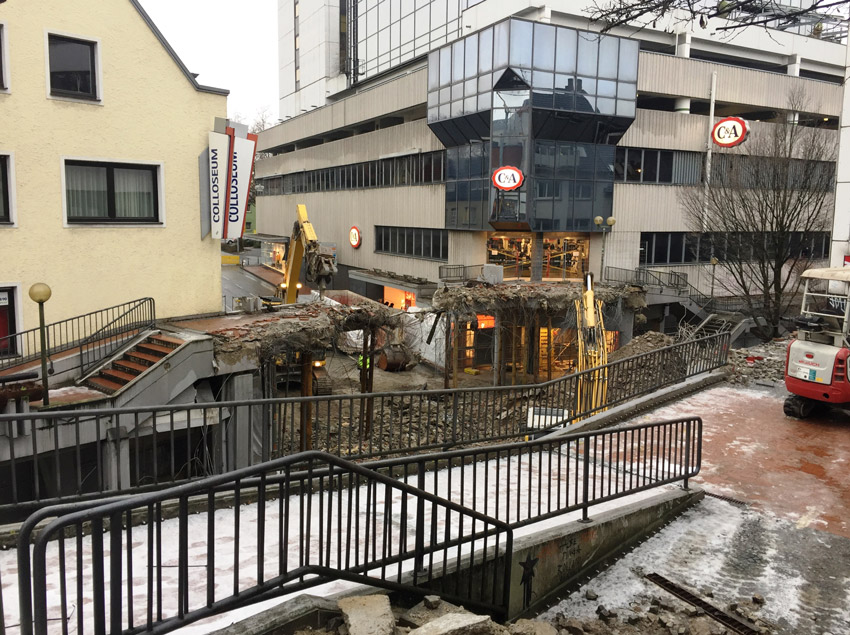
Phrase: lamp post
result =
(713, 262)
(40, 292)
(606, 225)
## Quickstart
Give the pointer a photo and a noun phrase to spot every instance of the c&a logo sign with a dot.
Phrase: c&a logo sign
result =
(729, 132)
(507, 177)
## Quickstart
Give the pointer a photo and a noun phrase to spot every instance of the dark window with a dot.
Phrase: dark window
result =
(72, 67)
(650, 166)
(665, 168)
(7, 322)
(2, 59)
(430, 244)
(633, 164)
(111, 192)
(5, 214)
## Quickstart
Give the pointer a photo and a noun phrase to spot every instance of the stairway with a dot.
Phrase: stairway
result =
(712, 325)
(134, 362)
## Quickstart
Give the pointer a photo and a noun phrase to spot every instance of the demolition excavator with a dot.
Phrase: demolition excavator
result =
(304, 249)
(592, 386)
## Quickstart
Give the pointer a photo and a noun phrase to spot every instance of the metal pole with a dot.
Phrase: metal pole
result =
(43, 334)
(708, 150)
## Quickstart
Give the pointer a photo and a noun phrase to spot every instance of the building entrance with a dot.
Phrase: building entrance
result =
(565, 255)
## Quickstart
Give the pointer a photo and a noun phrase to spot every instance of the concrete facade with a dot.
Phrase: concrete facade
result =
(148, 111)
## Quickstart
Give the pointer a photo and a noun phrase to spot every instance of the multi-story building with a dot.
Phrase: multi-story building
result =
(100, 193)
(395, 116)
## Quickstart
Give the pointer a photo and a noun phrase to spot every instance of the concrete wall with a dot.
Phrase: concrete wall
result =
(149, 112)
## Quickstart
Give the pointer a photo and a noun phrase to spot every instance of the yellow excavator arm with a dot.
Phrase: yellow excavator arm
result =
(304, 246)
(592, 386)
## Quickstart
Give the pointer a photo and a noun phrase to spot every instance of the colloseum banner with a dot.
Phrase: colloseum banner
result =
(231, 171)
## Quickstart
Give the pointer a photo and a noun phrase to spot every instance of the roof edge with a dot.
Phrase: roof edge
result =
(159, 36)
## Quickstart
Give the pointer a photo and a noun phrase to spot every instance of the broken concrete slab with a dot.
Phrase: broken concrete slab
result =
(420, 614)
(368, 615)
(461, 624)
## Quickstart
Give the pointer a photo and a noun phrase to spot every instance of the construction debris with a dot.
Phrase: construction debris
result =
(549, 298)
(646, 343)
(763, 364)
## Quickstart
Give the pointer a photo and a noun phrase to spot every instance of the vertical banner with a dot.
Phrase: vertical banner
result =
(219, 162)
(242, 163)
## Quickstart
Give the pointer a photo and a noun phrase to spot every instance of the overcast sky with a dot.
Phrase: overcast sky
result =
(230, 44)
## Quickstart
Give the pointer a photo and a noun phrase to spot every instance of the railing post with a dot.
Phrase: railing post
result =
(687, 453)
(454, 416)
(585, 481)
(419, 557)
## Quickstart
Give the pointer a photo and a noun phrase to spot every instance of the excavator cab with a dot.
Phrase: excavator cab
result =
(816, 360)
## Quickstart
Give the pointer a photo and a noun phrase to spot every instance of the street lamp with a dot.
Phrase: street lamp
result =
(40, 292)
(606, 225)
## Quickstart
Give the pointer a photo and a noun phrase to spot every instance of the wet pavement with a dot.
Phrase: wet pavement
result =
(799, 470)
(789, 539)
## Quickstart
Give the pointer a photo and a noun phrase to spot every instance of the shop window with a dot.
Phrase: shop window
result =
(4, 73)
(97, 192)
(73, 69)
(415, 242)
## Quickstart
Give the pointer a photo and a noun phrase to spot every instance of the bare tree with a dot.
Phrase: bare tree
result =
(766, 13)
(763, 211)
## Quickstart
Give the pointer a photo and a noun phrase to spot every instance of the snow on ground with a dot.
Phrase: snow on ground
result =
(732, 552)
(511, 489)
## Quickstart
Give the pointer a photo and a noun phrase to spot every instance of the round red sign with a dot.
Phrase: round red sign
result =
(729, 131)
(507, 177)
(354, 238)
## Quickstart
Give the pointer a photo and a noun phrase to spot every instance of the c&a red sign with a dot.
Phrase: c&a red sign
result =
(729, 132)
(507, 177)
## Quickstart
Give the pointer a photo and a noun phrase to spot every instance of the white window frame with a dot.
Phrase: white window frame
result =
(4, 59)
(160, 179)
(13, 208)
(98, 62)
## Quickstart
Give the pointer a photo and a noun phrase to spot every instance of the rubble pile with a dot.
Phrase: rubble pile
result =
(759, 365)
(664, 616)
(646, 343)
(468, 301)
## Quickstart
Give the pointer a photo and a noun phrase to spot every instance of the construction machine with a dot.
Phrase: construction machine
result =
(304, 247)
(816, 361)
(592, 387)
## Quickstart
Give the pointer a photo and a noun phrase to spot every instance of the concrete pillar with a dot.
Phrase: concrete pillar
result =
(683, 49)
(116, 458)
(237, 438)
(841, 218)
(793, 70)
(537, 257)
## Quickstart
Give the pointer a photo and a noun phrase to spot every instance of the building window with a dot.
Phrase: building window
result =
(5, 206)
(73, 70)
(415, 242)
(673, 248)
(4, 83)
(111, 192)
(7, 322)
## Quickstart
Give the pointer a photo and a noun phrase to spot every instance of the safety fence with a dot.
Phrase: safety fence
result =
(96, 335)
(642, 276)
(51, 457)
(432, 523)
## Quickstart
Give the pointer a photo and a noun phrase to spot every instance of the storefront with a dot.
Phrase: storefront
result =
(565, 255)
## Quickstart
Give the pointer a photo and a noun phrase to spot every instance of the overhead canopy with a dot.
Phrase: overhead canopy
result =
(836, 273)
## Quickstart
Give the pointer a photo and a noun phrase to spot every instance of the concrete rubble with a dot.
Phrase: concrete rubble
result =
(664, 616)
(763, 364)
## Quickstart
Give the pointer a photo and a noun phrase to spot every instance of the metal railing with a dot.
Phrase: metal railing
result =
(643, 276)
(85, 331)
(87, 454)
(440, 522)
(459, 273)
(315, 518)
(137, 316)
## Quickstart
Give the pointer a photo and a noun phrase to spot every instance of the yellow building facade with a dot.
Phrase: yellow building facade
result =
(101, 130)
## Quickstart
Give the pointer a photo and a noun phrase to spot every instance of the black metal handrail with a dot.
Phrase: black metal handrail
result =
(643, 276)
(24, 347)
(150, 448)
(357, 525)
(408, 522)
(139, 315)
